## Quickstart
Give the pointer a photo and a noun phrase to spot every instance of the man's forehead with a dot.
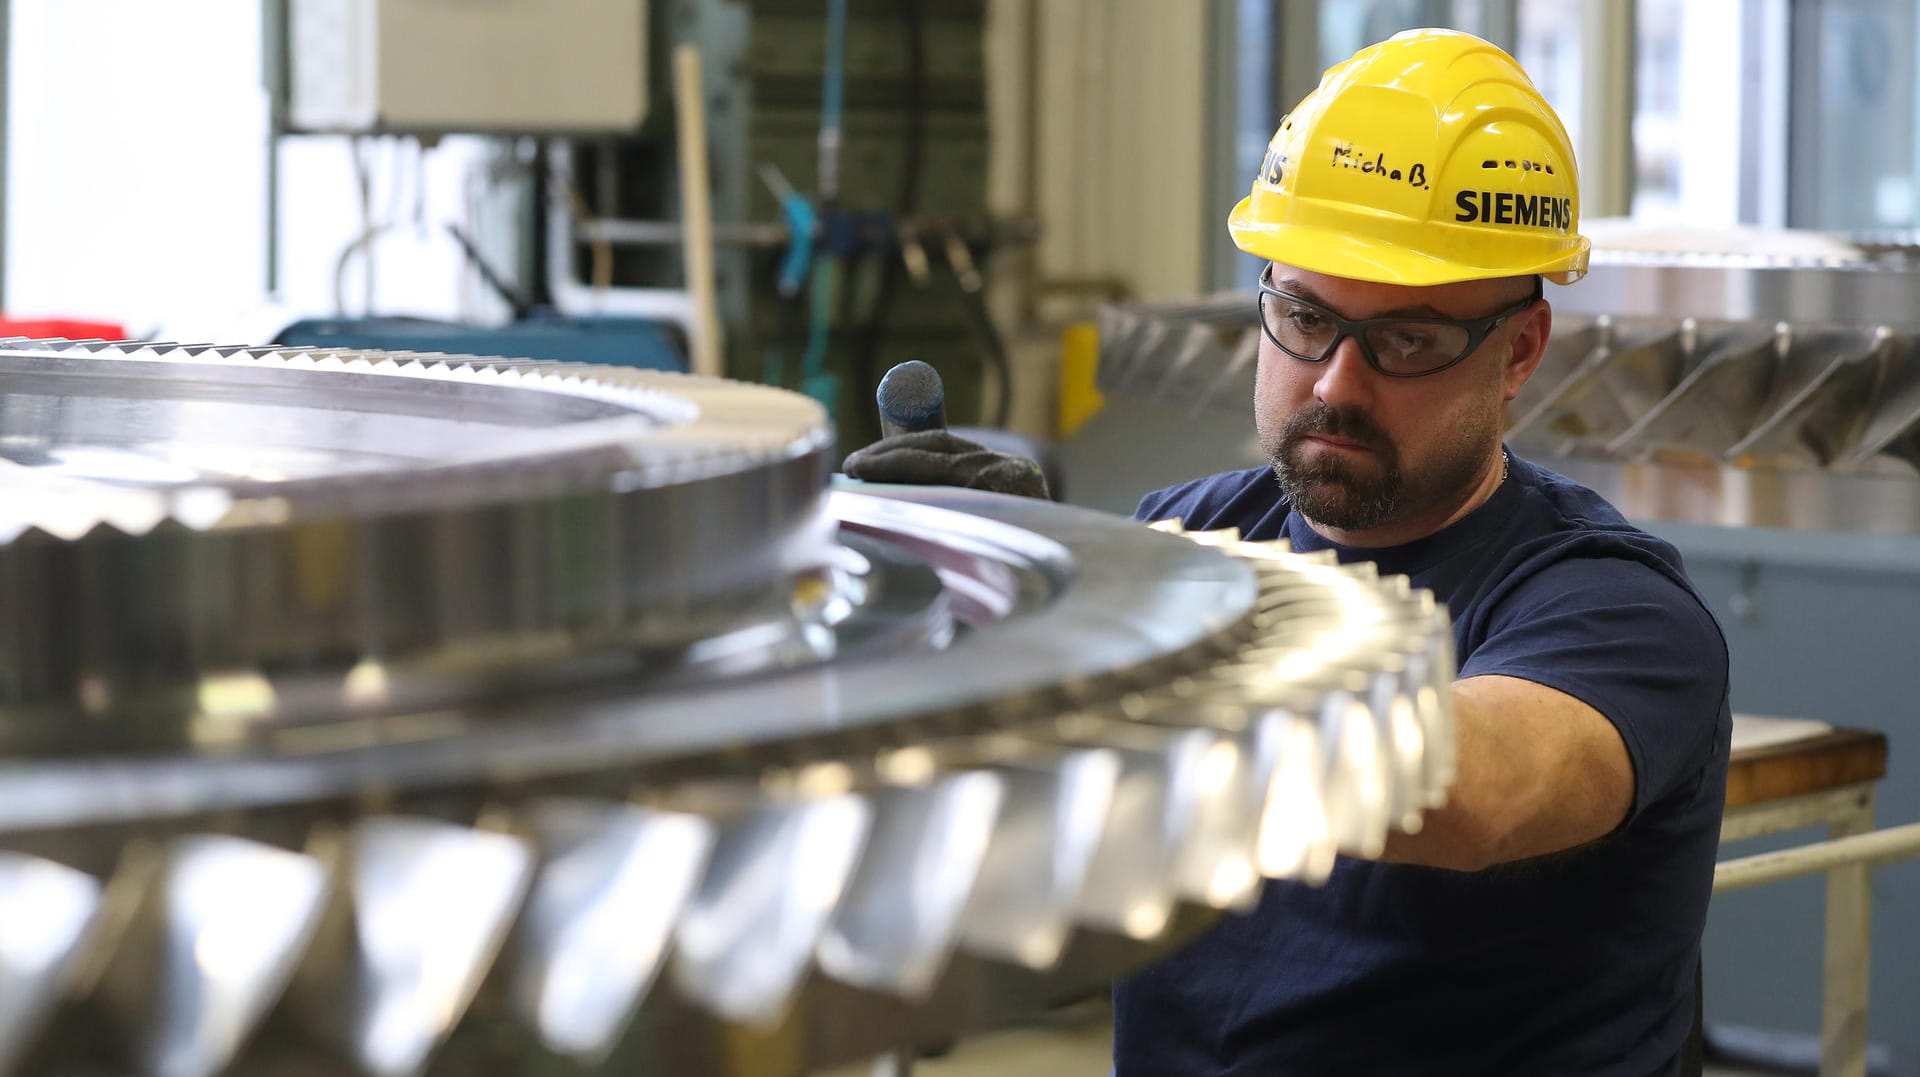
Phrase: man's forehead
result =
(1371, 298)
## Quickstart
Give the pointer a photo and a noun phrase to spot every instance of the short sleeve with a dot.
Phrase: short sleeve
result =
(1630, 642)
(1150, 506)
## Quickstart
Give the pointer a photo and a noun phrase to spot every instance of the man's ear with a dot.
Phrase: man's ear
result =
(1530, 333)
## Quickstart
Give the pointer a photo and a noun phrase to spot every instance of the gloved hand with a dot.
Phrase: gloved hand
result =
(938, 458)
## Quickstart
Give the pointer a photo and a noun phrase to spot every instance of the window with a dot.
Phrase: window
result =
(1694, 113)
(137, 183)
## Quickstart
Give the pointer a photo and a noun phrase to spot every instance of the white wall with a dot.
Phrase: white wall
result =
(1119, 138)
(137, 182)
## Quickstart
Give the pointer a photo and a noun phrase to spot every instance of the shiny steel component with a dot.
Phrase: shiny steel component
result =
(48, 908)
(900, 917)
(414, 926)
(776, 877)
(614, 881)
(1837, 280)
(1199, 354)
(220, 924)
(1166, 780)
(1055, 808)
(507, 517)
(568, 707)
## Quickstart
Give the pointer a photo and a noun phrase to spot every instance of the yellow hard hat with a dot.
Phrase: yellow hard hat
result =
(1425, 159)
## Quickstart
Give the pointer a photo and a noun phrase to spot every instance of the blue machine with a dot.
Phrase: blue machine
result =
(618, 341)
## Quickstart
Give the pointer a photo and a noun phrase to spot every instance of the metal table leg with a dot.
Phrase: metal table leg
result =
(1843, 1015)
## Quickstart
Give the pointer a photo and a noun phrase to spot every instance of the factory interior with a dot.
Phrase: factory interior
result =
(443, 634)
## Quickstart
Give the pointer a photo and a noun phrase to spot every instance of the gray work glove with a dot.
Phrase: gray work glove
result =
(938, 458)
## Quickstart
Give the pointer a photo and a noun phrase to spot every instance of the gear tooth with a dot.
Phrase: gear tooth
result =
(1221, 537)
(748, 938)
(37, 966)
(928, 841)
(423, 911)
(216, 934)
(608, 870)
(1023, 908)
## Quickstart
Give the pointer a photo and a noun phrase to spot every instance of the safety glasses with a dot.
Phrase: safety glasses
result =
(1397, 347)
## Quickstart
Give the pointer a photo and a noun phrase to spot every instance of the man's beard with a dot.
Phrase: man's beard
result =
(1331, 491)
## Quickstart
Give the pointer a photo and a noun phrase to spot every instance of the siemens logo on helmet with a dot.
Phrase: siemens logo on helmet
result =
(1506, 207)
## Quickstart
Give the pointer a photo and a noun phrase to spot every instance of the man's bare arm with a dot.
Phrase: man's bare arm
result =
(1539, 772)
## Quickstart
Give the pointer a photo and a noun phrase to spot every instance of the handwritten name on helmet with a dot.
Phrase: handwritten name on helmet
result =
(1508, 207)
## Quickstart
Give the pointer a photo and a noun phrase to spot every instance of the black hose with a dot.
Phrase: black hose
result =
(914, 94)
(996, 351)
(520, 305)
(790, 333)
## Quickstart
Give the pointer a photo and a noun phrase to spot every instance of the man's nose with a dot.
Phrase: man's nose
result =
(1345, 379)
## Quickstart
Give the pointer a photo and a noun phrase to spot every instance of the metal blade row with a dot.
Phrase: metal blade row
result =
(373, 940)
(1820, 396)
(1199, 354)
(1744, 392)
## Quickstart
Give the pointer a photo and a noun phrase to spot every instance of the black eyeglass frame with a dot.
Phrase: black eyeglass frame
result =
(1478, 329)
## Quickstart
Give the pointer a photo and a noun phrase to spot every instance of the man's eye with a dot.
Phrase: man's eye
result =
(1306, 321)
(1409, 340)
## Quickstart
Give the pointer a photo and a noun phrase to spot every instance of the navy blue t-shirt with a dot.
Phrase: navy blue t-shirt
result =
(1582, 962)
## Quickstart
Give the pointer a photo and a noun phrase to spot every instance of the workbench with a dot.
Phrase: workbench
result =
(1788, 774)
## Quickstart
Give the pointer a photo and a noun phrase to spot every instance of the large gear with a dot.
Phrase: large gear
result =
(373, 713)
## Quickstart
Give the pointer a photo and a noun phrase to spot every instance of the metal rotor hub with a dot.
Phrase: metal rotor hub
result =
(393, 713)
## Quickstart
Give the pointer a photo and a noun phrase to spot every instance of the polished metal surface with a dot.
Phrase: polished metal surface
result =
(220, 925)
(419, 911)
(613, 884)
(928, 760)
(198, 537)
(59, 904)
(1861, 283)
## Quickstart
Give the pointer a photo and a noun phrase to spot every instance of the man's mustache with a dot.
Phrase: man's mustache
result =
(1347, 424)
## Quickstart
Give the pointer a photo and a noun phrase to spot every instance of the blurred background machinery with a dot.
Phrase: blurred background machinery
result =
(846, 151)
(384, 713)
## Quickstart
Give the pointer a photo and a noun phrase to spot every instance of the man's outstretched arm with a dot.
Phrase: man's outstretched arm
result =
(1538, 772)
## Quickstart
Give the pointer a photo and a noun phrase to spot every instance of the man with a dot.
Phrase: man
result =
(1547, 920)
